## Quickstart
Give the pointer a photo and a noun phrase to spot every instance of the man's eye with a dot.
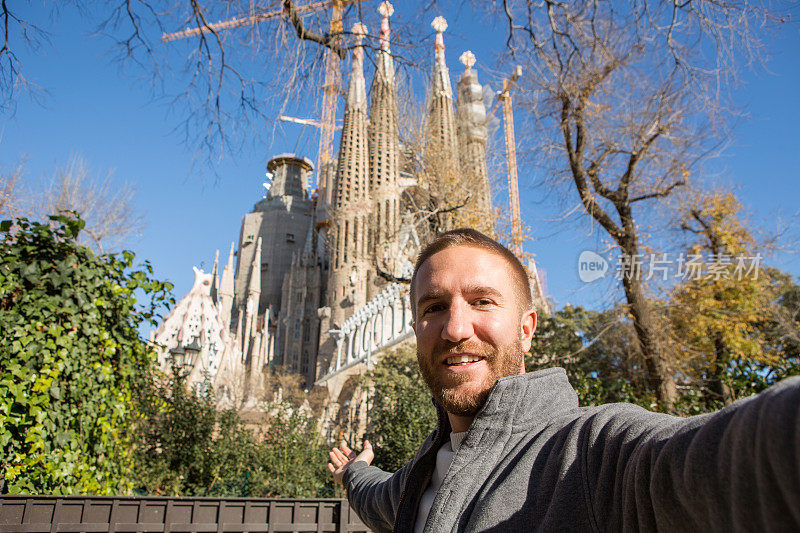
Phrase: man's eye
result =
(483, 302)
(433, 308)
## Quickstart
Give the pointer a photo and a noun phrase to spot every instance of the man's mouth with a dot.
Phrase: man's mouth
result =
(462, 360)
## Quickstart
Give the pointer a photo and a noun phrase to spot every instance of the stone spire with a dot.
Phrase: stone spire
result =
(253, 295)
(385, 65)
(472, 134)
(226, 291)
(215, 279)
(383, 153)
(308, 257)
(349, 260)
(441, 124)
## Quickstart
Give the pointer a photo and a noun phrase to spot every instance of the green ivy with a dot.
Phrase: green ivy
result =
(72, 365)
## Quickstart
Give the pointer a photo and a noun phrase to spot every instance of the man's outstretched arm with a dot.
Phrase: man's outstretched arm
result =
(734, 470)
(373, 493)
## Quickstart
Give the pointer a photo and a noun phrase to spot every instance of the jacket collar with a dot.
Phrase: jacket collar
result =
(515, 404)
(523, 400)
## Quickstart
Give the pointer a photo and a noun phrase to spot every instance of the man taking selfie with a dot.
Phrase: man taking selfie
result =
(513, 451)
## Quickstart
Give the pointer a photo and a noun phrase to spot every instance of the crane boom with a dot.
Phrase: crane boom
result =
(238, 22)
(332, 83)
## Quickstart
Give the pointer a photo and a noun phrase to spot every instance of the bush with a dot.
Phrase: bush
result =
(72, 366)
(188, 448)
(401, 412)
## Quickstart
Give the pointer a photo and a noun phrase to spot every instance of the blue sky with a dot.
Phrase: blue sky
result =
(112, 120)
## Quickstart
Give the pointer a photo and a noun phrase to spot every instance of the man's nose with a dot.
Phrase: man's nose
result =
(458, 323)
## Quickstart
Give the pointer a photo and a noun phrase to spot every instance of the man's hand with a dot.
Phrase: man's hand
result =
(342, 458)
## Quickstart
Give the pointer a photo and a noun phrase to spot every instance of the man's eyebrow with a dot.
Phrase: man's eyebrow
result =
(430, 295)
(484, 290)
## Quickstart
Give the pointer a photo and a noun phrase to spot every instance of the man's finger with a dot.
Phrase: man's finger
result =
(367, 454)
(347, 451)
(334, 459)
(331, 468)
(340, 456)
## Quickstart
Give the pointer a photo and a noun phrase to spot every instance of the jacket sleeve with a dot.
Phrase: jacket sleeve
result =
(374, 494)
(734, 470)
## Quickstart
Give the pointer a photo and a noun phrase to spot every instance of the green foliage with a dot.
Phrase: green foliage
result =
(293, 456)
(188, 448)
(734, 334)
(401, 412)
(72, 366)
(597, 350)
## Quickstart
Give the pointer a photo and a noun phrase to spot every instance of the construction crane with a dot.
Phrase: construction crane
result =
(245, 20)
(511, 156)
(513, 186)
(305, 121)
(330, 88)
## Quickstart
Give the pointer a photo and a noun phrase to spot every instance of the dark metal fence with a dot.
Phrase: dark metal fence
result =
(46, 514)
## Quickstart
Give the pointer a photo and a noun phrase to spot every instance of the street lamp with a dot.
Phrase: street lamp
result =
(192, 351)
(178, 356)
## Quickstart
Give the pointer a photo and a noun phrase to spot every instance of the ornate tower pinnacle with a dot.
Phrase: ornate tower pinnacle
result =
(356, 90)
(385, 66)
(472, 135)
(439, 25)
(467, 59)
(385, 9)
(441, 147)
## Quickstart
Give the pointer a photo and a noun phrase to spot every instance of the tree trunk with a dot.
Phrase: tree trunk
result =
(716, 386)
(659, 375)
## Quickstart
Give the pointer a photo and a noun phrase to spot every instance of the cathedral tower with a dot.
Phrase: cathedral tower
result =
(383, 157)
(349, 256)
(472, 134)
(441, 124)
(280, 220)
(441, 155)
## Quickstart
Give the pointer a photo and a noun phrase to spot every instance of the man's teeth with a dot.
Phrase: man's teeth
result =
(462, 359)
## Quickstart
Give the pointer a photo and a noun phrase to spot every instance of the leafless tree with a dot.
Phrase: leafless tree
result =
(625, 100)
(10, 197)
(107, 208)
(223, 83)
(17, 34)
(233, 77)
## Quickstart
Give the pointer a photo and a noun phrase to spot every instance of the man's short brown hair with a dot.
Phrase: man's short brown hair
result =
(475, 239)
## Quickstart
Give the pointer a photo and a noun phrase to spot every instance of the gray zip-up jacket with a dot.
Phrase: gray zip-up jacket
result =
(534, 460)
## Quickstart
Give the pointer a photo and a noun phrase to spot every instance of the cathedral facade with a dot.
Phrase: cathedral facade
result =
(310, 262)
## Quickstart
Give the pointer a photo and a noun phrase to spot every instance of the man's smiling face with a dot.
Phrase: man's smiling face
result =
(471, 329)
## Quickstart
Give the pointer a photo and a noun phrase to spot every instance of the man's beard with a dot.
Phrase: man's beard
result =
(502, 362)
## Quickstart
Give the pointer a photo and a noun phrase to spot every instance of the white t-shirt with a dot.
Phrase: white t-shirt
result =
(443, 459)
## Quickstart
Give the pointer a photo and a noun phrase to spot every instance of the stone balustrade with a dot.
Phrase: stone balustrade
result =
(382, 322)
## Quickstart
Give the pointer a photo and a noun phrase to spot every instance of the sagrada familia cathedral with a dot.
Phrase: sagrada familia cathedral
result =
(312, 286)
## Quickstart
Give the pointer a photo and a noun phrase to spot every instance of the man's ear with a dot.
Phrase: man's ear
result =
(527, 329)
